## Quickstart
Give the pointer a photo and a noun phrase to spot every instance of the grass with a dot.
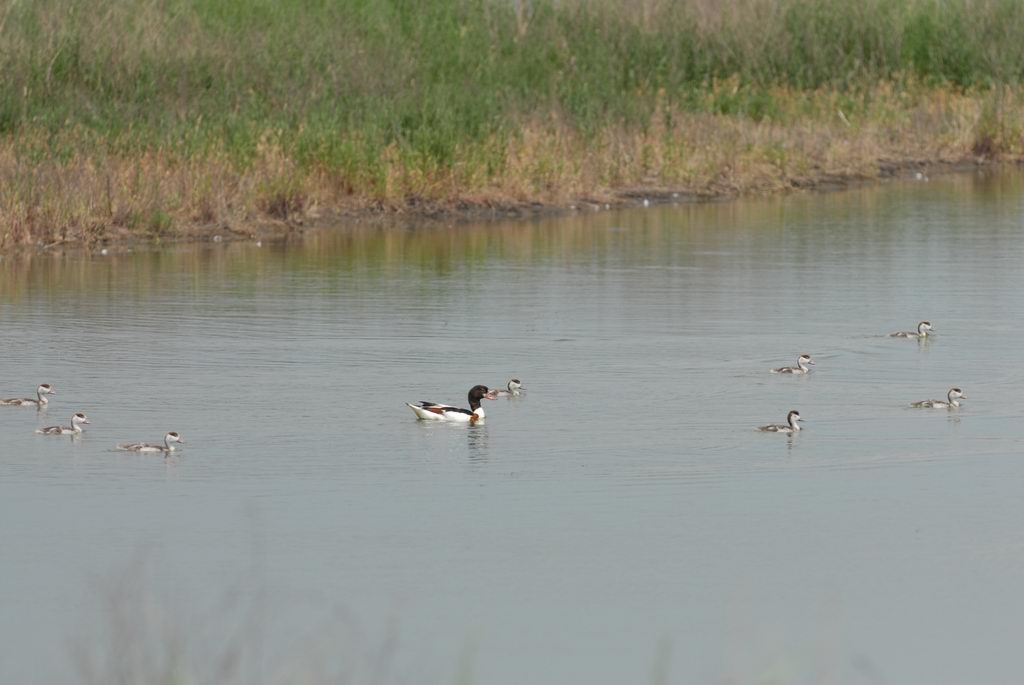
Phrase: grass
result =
(147, 117)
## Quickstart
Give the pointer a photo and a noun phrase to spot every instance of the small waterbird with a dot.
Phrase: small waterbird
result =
(923, 329)
(802, 363)
(41, 398)
(514, 386)
(792, 424)
(431, 411)
(77, 421)
(953, 398)
(166, 448)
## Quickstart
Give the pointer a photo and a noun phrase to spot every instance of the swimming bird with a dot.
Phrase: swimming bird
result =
(802, 363)
(166, 448)
(41, 398)
(77, 421)
(431, 411)
(923, 329)
(952, 397)
(514, 386)
(793, 424)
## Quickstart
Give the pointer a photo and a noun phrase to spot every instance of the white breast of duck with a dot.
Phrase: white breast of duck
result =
(432, 411)
(41, 398)
(77, 421)
(803, 364)
(167, 447)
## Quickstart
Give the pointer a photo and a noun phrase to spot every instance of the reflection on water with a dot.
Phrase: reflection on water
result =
(624, 503)
(649, 239)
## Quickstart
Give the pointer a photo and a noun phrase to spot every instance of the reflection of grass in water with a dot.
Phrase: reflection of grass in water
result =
(144, 639)
(133, 117)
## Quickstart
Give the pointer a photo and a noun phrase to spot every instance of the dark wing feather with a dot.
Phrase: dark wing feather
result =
(440, 408)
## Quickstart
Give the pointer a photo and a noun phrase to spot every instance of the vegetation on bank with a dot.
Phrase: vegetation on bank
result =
(144, 117)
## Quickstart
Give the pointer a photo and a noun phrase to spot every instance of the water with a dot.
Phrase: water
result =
(619, 522)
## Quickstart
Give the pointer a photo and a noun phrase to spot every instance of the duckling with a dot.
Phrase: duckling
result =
(952, 397)
(166, 448)
(792, 424)
(77, 421)
(39, 403)
(923, 329)
(514, 386)
(802, 362)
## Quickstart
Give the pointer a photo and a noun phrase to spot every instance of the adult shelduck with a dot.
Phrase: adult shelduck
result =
(431, 411)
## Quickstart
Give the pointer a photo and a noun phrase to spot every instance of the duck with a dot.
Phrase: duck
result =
(40, 402)
(792, 424)
(432, 411)
(802, 363)
(78, 419)
(953, 398)
(514, 386)
(166, 448)
(923, 329)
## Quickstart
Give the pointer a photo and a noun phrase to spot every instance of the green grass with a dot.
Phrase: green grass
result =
(337, 82)
(375, 95)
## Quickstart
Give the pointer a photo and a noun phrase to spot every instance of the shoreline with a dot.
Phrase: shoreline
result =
(461, 210)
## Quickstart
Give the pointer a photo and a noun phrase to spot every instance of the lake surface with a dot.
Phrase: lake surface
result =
(619, 522)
